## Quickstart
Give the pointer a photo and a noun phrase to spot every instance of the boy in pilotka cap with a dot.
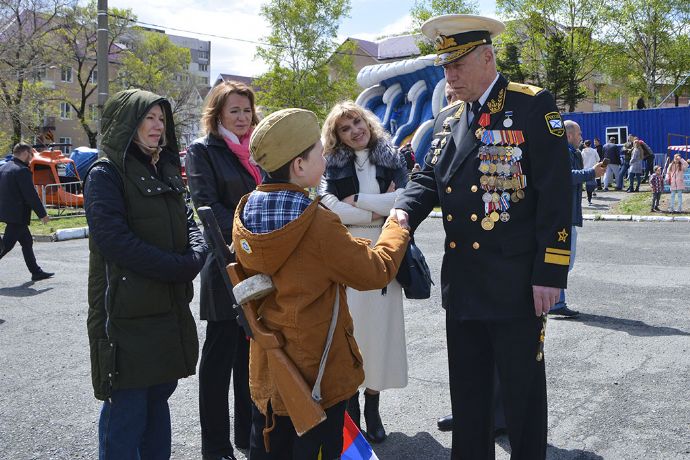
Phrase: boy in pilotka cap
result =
(310, 257)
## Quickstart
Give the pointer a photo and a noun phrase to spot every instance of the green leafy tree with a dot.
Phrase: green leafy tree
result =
(508, 61)
(303, 69)
(426, 9)
(26, 29)
(77, 45)
(156, 64)
(560, 42)
(647, 31)
(677, 65)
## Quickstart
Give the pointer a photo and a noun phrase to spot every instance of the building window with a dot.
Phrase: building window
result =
(203, 54)
(597, 95)
(40, 73)
(65, 111)
(67, 148)
(203, 80)
(66, 74)
(203, 67)
(619, 133)
(93, 112)
(94, 77)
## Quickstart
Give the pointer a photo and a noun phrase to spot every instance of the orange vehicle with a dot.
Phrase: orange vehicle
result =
(48, 170)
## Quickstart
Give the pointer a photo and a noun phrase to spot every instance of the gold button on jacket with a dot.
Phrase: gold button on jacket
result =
(473, 217)
(452, 244)
(449, 189)
(474, 188)
(449, 217)
(475, 245)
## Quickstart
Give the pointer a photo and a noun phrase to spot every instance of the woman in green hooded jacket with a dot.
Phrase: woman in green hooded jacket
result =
(145, 250)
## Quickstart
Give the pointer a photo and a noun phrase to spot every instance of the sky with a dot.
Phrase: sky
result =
(231, 21)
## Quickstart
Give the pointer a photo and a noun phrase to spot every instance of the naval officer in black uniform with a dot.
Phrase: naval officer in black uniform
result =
(499, 168)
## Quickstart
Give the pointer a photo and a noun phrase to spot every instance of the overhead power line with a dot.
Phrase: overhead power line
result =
(224, 37)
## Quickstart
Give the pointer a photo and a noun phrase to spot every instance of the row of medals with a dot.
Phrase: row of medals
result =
(502, 180)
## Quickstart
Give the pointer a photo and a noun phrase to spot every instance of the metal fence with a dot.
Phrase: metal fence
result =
(66, 198)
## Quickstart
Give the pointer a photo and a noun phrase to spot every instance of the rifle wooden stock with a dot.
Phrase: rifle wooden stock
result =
(304, 412)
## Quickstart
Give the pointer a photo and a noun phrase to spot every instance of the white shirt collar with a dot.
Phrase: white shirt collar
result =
(485, 96)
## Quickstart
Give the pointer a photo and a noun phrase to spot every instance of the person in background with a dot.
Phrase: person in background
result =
(579, 174)
(600, 151)
(364, 174)
(626, 155)
(656, 181)
(144, 251)
(590, 157)
(220, 173)
(18, 198)
(675, 177)
(648, 157)
(635, 171)
(612, 152)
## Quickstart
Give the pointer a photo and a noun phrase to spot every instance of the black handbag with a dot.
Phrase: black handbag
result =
(414, 275)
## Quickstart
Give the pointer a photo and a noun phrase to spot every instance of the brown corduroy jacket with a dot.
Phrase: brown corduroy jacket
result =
(309, 259)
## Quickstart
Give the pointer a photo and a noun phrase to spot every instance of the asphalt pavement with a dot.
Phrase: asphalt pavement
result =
(618, 376)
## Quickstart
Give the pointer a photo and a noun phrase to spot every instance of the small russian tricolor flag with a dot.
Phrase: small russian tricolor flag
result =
(355, 446)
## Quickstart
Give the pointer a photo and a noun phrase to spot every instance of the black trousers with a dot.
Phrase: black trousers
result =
(476, 349)
(225, 354)
(20, 233)
(326, 437)
(656, 197)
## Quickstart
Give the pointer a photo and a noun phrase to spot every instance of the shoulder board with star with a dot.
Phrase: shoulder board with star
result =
(523, 88)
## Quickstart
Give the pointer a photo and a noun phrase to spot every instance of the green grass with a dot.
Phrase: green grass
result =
(55, 223)
(639, 204)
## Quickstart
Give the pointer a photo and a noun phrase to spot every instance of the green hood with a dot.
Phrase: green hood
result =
(121, 116)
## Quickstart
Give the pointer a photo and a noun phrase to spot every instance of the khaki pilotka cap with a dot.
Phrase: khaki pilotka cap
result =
(282, 136)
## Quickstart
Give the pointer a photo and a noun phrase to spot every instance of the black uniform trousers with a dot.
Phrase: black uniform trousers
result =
(325, 438)
(225, 354)
(476, 349)
(20, 233)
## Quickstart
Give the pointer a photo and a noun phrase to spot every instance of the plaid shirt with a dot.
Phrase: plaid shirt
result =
(657, 183)
(269, 211)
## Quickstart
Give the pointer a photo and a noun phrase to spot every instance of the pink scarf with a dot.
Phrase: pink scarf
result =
(241, 151)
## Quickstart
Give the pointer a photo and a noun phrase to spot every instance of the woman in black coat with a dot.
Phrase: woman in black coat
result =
(220, 173)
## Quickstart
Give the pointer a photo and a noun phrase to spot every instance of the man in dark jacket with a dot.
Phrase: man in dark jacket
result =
(579, 176)
(17, 198)
(612, 151)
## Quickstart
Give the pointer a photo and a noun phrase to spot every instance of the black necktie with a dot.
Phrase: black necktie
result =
(475, 107)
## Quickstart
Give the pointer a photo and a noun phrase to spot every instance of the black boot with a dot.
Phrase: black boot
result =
(375, 431)
(353, 410)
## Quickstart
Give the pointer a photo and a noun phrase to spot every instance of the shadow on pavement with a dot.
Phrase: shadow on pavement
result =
(555, 453)
(23, 290)
(403, 447)
(632, 327)
(606, 198)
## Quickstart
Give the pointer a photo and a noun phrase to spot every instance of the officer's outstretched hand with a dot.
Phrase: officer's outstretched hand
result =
(401, 216)
(545, 297)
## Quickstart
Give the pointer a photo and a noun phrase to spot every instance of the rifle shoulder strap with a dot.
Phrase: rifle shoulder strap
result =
(316, 391)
